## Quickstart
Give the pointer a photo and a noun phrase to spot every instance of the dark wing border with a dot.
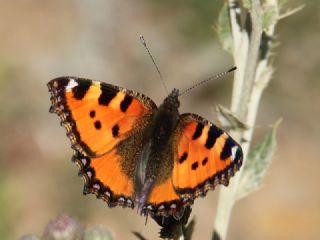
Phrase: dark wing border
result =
(95, 186)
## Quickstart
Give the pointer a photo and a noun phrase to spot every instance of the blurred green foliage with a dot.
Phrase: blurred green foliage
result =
(194, 19)
(6, 216)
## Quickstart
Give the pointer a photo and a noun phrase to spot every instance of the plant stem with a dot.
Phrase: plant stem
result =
(248, 87)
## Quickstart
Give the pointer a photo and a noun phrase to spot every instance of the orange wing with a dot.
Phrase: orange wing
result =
(105, 124)
(163, 200)
(204, 157)
(104, 178)
(97, 115)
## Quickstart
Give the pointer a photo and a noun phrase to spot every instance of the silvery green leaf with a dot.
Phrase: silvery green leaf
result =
(256, 166)
(224, 30)
(270, 14)
(246, 4)
(228, 120)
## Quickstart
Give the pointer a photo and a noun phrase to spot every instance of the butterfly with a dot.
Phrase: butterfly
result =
(132, 153)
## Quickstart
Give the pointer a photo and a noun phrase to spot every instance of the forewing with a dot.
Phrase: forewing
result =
(96, 115)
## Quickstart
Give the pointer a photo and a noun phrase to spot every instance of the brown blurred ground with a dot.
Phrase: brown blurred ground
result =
(41, 40)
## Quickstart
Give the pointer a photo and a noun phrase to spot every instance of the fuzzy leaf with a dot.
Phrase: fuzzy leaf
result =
(246, 4)
(270, 14)
(224, 30)
(259, 159)
(228, 120)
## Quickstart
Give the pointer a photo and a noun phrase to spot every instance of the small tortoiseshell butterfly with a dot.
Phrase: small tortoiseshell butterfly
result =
(131, 152)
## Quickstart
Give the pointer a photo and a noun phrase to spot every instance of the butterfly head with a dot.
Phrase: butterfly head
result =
(172, 101)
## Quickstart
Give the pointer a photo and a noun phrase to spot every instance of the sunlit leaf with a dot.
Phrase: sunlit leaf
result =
(246, 4)
(228, 120)
(270, 16)
(259, 159)
(224, 30)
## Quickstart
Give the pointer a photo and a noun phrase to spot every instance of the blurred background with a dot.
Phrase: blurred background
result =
(98, 39)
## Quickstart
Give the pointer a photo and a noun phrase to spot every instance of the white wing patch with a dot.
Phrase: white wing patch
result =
(234, 152)
(72, 83)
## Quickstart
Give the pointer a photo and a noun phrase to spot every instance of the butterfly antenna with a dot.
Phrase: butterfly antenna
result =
(218, 76)
(154, 62)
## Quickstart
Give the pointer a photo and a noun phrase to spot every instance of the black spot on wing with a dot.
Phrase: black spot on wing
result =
(183, 157)
(213, 134)
(97, 125)
(125, 103)
(92, 114)
(107, 94)
(80, 91)
(226, 150)
(204, 161)
(198, 131)
(194, 165)
(115, 130)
